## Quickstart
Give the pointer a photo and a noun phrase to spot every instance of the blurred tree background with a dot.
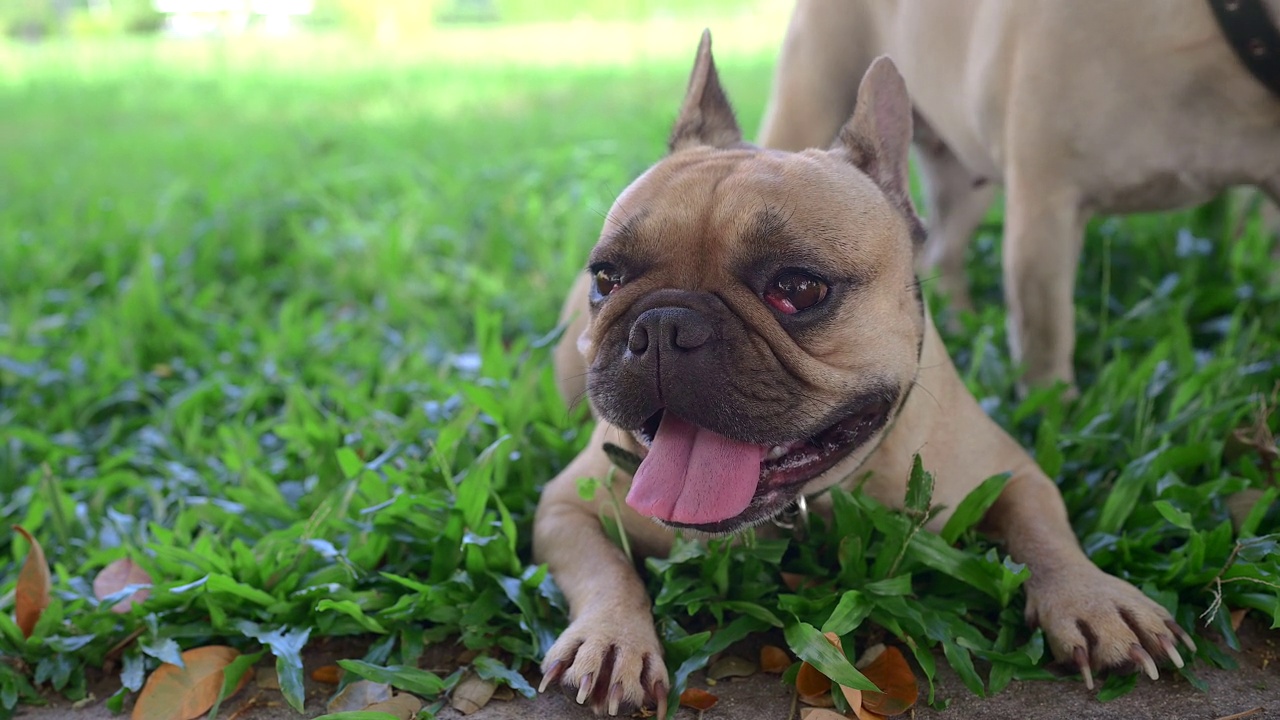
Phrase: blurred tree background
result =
(35, 20)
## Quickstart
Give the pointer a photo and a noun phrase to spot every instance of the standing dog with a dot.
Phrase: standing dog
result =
(750, 323)
(1076, 108)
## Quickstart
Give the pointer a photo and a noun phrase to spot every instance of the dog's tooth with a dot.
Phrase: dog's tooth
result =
(776, 452)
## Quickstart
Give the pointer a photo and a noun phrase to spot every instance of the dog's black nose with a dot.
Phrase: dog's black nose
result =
(671, 328)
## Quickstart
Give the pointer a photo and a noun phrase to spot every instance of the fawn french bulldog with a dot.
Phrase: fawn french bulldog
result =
(750, 323)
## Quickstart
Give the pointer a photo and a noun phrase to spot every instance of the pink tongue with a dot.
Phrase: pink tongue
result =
(694, 476)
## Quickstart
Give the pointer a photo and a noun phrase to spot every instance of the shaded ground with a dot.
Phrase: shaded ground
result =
(1254, 686)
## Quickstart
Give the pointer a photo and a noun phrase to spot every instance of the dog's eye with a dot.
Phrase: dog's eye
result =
(607, 279)
(793, 291)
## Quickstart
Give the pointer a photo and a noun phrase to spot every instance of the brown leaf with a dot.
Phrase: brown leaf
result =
(812, 713)
(794, 581)
(774, 659)
(174, 693)
(698, 699)
(327, 674)
(811, 681)
(852, 696)
(31, 596)
(1240, 504)
(359, 695)
(472, 693)
(403, 706)
(116, 577)
(889, 670)
(1237, 618)
(822, 700)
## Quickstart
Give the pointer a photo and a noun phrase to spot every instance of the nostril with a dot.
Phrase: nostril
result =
(688, 336)
(638, 340)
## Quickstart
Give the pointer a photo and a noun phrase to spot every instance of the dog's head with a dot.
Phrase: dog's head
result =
(755, 318)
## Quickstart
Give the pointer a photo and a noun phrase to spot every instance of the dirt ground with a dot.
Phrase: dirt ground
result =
(1251, 691)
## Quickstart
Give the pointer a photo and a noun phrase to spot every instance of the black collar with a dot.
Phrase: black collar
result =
(1254, 37)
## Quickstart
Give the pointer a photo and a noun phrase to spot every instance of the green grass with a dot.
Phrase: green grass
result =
(275, 322)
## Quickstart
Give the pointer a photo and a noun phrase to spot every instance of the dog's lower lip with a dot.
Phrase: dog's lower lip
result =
(802, 460)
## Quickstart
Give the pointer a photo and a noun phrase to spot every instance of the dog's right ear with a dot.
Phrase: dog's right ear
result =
(878, 136)
(706, 118)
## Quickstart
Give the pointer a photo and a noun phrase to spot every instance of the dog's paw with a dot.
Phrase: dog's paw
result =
(1097, 622)
(612, 663)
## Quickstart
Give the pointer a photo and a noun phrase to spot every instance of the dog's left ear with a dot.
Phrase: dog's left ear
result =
(706, 118)
(878, 136)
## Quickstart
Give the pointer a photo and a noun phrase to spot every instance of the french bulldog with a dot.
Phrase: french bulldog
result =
(751, 325)
(1075, 108)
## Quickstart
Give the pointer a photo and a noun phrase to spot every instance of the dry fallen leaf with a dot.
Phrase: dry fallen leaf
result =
(811, 713)
(794, 581)
(774, 659)
(359, 695)
(472, 693)
(698, 699)
(403, 706)
(31, 596)
(888, 669)
(174, 693)
(852, 696)
(1237, 618)
(810, 681)
(822, 699)
(327, 674)
(116, 577)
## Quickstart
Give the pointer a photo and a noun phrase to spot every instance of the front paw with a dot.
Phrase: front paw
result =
(1098, 622)
(614, 662)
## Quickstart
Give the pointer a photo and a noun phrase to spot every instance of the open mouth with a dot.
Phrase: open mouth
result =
(703, 481)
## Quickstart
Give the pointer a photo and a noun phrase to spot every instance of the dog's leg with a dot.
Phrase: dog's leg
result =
(1091, 619)
(955, 202)
(816, 81)
(610, 652)
(1043, 234)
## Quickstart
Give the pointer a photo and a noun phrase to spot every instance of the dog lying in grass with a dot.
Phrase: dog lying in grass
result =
(750, 324)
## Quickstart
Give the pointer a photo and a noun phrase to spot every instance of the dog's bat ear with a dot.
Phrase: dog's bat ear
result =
(706, 118)
(878, 136)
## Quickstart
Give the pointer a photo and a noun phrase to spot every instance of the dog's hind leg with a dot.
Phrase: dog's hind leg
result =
(955, 202)
(816, 80)
(1043, 235)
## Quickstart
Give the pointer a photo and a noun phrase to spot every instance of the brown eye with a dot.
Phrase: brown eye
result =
(607, 279)
(793, 291)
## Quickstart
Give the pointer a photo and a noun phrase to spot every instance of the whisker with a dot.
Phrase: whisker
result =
(916, 383)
